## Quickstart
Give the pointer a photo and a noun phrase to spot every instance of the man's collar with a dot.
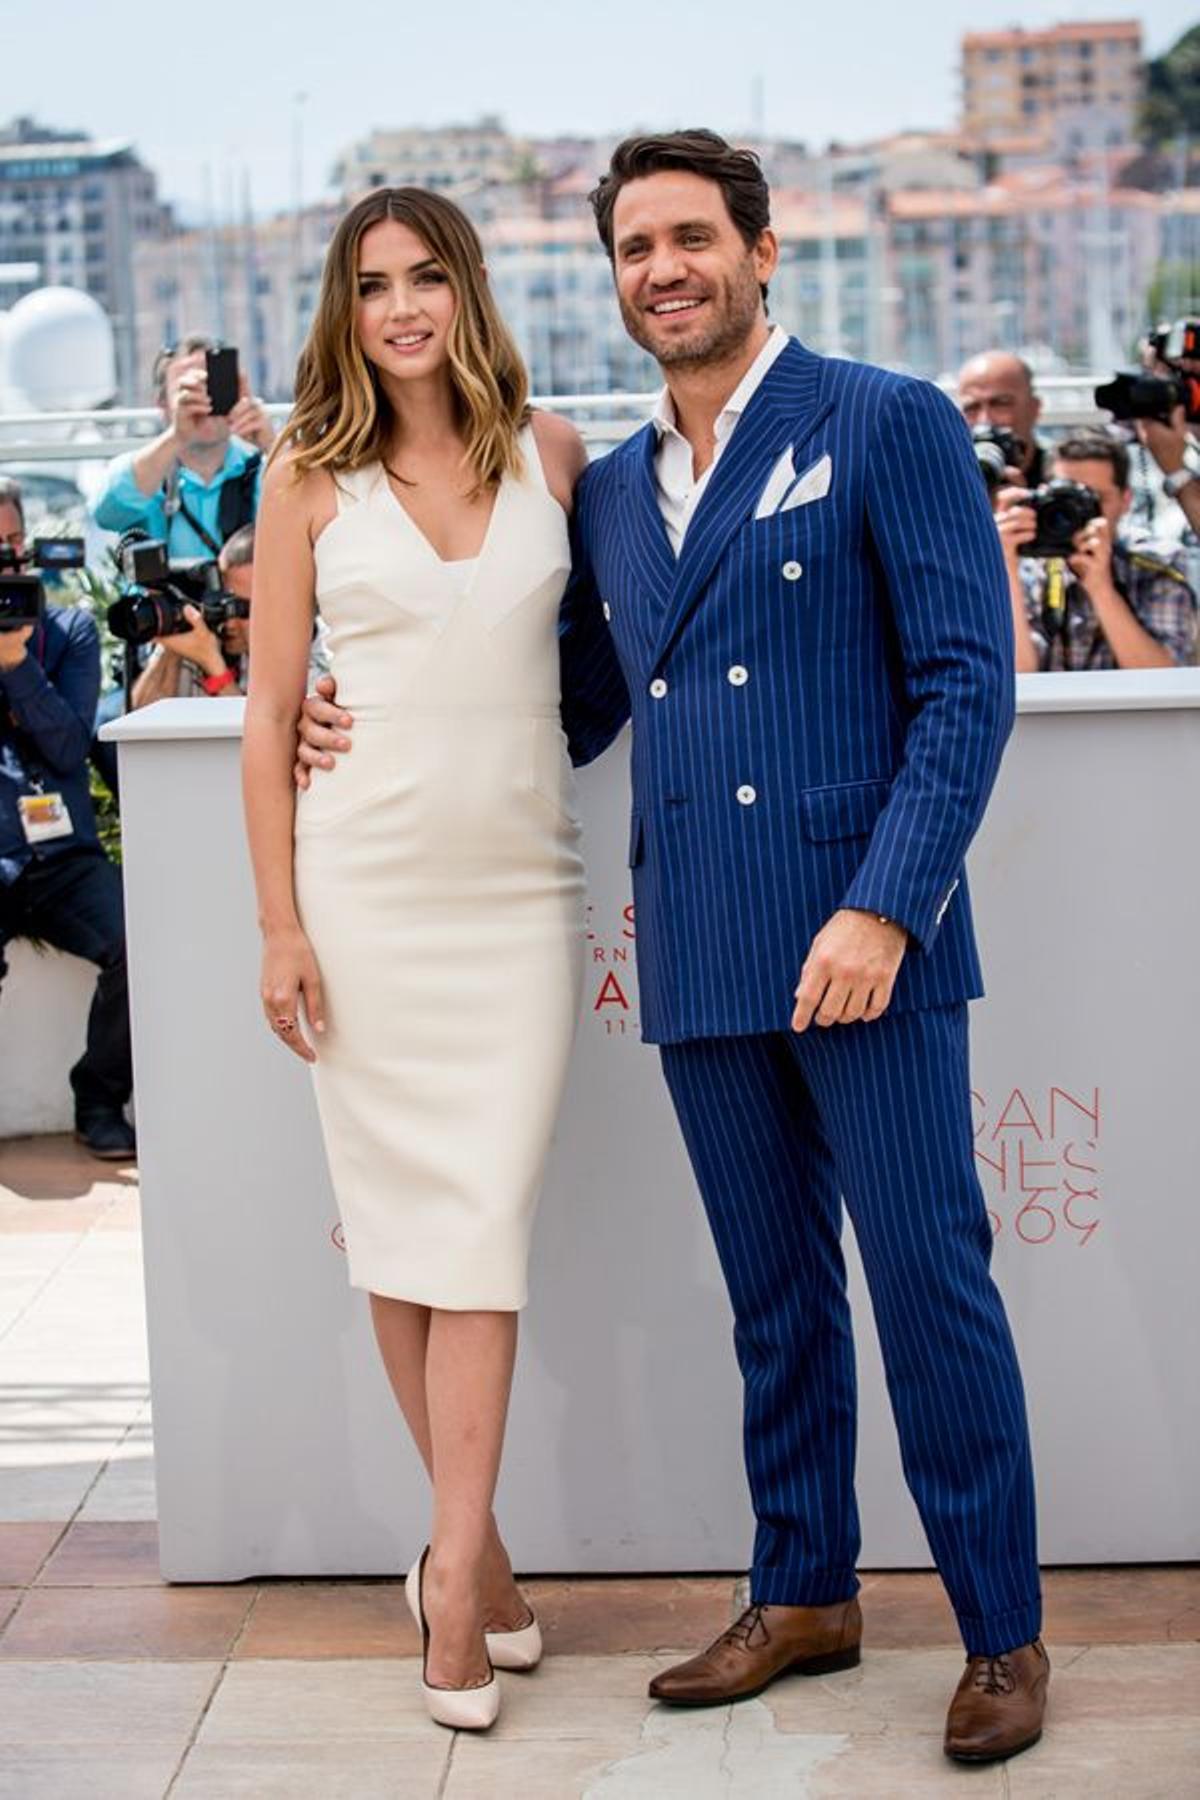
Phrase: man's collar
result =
(237, 455)
(663, 417)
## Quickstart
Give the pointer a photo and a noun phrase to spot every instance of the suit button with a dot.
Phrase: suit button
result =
(737, 676)
(606, 609)
(746, 795)
(658, 688)
(791, 571)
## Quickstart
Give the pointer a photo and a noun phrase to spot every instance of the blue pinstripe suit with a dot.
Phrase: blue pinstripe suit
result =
(820, 699)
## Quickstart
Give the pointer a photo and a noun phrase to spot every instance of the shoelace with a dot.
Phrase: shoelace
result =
(994, 1676)
(742, 1631)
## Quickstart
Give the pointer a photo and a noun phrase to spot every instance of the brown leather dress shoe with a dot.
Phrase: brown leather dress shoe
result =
(999, 1705)
(767, 1641)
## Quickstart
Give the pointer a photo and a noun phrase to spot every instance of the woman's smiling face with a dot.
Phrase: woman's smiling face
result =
(406, 303)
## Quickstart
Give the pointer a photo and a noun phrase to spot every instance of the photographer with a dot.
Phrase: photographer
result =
(1102, 602)
(203, 660)
(214, 659)
(199, 481)
(56, 884)
(996, 388)
(1171, 444)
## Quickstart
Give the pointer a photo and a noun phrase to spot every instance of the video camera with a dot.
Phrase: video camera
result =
(997, 450)
(22, 593)
(155, 591)
(1062, 508)
(1138, 394)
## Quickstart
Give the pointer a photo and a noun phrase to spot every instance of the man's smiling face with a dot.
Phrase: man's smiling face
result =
(688, 284)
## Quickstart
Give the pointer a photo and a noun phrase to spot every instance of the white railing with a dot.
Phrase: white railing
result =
(603, 419)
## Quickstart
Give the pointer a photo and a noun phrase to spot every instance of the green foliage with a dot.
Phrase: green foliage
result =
(1174, 292)
(1171, 107)
(108, 819)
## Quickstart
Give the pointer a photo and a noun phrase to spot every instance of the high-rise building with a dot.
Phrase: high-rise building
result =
(71, 211)
(1085, 77)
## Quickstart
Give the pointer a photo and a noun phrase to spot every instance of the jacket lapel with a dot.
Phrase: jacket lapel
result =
(785, 409)
(646, 542)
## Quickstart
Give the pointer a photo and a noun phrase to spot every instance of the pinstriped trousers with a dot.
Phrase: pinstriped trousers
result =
(779, 1128)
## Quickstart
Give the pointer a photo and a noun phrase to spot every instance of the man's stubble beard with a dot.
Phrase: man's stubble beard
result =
(725, 337)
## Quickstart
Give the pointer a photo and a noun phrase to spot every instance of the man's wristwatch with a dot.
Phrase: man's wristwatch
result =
(1174, 484)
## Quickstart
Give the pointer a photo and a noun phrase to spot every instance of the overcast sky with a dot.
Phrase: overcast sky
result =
(222, 94)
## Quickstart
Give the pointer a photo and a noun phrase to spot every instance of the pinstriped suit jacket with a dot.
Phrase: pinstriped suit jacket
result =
(849, 765)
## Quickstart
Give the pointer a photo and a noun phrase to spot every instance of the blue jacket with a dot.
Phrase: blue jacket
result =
(47, 713)
(820, 697)
(122, 503)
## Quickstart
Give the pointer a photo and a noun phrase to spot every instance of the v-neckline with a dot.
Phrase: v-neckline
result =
(448, 564)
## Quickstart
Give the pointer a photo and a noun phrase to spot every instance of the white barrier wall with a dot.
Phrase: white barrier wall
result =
(43, 1025)
(278, 1447)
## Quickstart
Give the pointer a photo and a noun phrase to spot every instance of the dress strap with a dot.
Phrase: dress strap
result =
(527, 440)
(354, 485)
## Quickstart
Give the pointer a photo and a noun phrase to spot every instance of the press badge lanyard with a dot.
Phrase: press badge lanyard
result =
(174, 502)
(43, 815)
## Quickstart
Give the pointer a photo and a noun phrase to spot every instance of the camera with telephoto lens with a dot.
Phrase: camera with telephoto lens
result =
(1138, 394)
(22, 590)
(997, 450)
(155, 591)
(1062, 508)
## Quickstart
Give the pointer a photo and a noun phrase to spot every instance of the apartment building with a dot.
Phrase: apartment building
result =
(253, 284)
(458, 160)
(1040, 258)
(1084, 78)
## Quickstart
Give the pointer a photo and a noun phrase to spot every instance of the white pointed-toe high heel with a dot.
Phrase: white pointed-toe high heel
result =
(459, 1709)
(518, 1651)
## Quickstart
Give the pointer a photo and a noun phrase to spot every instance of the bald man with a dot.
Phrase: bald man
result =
(996, 388)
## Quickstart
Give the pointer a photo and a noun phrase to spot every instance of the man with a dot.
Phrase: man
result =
(203, 661)
(1174, 449)
(1171, 443)
(1117, 602)
(996, 388)
(796, 566)
(199, 480)
(56, 884)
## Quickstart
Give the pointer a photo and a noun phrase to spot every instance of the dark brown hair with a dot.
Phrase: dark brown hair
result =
(737, 173)
(1096, 446)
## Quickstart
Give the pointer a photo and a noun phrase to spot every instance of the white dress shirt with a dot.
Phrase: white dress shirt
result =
(679, 491)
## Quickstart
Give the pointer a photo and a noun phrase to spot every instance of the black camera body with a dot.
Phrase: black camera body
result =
(1138, 394)
(1062, 508)
(22, 590)
(997, 449)
(156, 590)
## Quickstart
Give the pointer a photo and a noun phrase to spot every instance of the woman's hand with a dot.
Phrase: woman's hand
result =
(289, 973)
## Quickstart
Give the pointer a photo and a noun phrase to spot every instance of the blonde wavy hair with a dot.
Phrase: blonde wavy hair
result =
(342, 418)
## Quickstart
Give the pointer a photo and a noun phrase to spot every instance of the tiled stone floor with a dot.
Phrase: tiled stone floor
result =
(115, 1685)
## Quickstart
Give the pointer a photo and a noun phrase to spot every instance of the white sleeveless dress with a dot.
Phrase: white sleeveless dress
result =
(439, 879)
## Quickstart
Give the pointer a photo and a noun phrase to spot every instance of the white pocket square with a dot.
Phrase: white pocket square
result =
(812, 485)
(778, 482)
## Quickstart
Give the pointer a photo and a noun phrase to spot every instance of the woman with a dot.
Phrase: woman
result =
(427, 902)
